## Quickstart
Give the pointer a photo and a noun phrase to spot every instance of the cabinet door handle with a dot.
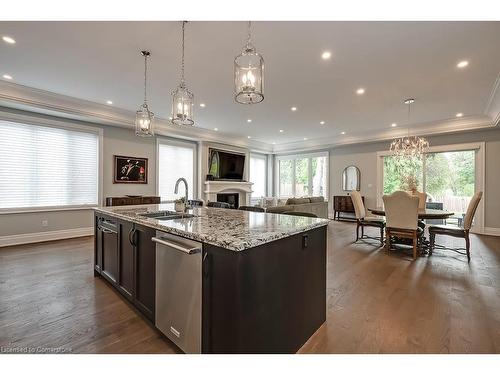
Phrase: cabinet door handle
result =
(107, 231)
(305, 241)
(130, 236)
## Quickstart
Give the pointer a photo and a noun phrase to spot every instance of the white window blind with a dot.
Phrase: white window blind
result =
(175, 160)
(47, 167)
(258, 174)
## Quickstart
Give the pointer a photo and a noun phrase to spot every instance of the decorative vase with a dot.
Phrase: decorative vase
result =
(180, 206)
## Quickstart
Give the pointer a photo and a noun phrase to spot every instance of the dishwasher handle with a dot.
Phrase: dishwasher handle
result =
(173, 245)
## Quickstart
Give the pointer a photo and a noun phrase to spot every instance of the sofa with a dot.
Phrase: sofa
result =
(315, 205)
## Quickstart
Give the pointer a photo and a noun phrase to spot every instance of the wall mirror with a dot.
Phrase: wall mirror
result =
(351, 178)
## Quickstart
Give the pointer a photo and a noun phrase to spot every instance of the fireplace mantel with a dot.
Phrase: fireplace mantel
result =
(244, 189)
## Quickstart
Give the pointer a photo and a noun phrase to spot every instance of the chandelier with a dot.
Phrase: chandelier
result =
(249, 74)
(182, 98)
(144, 118)
(410, 147)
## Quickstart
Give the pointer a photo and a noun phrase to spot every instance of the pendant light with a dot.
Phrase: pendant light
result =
(144, 118)
(249, 73)
(410, 147)
(182, 98)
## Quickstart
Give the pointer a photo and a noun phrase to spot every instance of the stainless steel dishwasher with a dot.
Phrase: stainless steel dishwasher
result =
(178, 290)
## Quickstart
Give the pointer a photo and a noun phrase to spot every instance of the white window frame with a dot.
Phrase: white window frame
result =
(293, 157)
(65, 125)
(479, 178)
(264, 157)
(179, 143)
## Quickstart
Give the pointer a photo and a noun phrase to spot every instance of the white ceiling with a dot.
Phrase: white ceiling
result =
(98, 61)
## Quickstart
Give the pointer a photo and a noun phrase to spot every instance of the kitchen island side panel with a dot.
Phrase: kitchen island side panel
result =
(268, 299)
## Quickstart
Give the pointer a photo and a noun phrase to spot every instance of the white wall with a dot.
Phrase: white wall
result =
(364, 156)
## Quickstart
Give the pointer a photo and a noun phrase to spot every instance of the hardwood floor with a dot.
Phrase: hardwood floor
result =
(376, 302)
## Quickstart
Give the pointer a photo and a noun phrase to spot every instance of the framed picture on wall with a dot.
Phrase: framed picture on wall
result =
(130, 170)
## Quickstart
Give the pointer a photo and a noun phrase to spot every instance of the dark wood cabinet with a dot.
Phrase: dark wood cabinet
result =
(127, 201)
(107, 250)
(268, 299)
(126, 281)
(145, 265)
(343, 204)
(126, 257)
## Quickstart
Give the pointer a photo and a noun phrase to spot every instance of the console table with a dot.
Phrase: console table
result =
(343, 204)
(127, 201)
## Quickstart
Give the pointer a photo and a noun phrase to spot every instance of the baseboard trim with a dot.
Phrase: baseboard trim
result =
(19, 239)
(490, 231)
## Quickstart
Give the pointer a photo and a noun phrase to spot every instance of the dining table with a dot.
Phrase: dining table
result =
(423, 214)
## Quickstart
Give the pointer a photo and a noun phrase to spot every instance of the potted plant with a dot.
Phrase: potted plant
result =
(180, 205)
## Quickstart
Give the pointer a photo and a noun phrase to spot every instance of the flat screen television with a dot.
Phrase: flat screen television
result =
(225, 165)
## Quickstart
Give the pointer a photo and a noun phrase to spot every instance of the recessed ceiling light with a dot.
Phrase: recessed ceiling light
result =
(281, 130)
(170, 118)
(6, 76)
(326, 55)
(248, 137)
(202, 105)
(459, 114)
(394, 124)
(249, 120)
(8, 39)
(274, 143)
(342, 133)
(109, 102)
(322, 123)
(293, 109)
(216, 129)
(305, 139)
(462, 64)
(360, 91)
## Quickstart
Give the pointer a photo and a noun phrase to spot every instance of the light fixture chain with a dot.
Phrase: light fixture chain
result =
(249, 35)
(182, 62)
(145, 77)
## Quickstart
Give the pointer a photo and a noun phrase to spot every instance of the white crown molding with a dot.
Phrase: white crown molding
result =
(19, 239)
(493, 104)
(425, 129)
(30, 99)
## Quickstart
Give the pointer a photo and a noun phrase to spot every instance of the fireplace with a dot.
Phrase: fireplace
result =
(231, 198)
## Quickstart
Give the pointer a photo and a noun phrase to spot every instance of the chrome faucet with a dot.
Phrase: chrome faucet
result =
(176, 190)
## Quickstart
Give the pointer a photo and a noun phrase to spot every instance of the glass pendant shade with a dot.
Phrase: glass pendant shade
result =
(182, 106)
(249, 75)
(144, 120)
(182, 98)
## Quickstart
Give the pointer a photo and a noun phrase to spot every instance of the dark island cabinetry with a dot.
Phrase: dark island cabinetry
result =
(125, 257)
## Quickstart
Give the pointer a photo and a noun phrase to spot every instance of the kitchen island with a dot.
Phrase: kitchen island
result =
(262, 277)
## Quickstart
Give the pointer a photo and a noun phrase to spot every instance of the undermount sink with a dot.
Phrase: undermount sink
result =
(167, 215)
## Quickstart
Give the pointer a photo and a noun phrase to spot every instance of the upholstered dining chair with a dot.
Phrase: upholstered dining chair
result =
(401, 215)
(251, 208)
(456, 231)
(219, 204)
(362, 220)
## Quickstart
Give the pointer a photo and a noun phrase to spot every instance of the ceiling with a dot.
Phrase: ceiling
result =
(100, 61)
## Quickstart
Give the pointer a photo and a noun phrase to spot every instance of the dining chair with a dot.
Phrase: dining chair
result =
(219, 204)
(251, 208)
(362, 220)
(297, 213)
(401, 215)
(456, 231)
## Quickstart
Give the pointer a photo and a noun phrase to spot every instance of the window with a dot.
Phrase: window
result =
(302, 175)
(175, 160)
(44, 166)
(258, 175)
(448, 178)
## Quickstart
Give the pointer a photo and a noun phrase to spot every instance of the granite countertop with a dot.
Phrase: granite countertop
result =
(230, 229)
